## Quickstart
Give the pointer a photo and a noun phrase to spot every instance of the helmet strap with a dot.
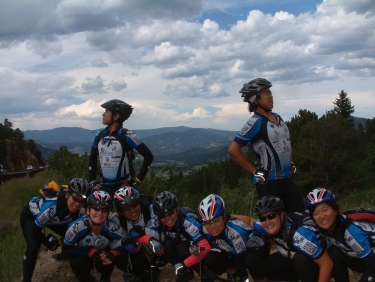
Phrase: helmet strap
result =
(263, 108)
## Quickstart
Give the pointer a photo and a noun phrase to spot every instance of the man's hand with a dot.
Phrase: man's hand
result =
(261, 175)
(95, 184)
(95, 254)
(157, 248)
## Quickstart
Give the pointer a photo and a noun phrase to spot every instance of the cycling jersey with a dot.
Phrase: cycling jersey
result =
(185, 229)
(140, 223)
(116, 160)
(271, 144)
(358, 240)
(46, 212)
(235, 237)
(306, 239)
(79, 234)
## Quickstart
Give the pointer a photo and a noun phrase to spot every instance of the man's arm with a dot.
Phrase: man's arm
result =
(237, 154)
(92, 163)
(148, 157)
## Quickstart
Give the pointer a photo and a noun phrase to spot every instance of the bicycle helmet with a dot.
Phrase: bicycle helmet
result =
(210, 207)
(319, 195)
(268, 204)
(100, 198)
(164, 202)
(119, 107)
(253, 89)
(80, 186)
(124, 196)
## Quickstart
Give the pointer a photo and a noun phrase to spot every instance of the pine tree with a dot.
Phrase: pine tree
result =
(343, 106)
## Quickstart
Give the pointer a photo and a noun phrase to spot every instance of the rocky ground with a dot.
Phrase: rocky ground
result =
(51, 270)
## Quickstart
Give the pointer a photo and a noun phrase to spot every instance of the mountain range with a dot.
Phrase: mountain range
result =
(184, 146)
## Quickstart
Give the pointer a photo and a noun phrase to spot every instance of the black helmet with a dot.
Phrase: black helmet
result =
(268, 204)
(80, 186)
(101, 198)
(254, 88)
(164, 202)
(119, 107)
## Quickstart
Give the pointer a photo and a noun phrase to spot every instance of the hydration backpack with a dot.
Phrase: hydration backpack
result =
(358, 214)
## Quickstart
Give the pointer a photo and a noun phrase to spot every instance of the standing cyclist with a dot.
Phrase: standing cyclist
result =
(269, 136)
(115, 145)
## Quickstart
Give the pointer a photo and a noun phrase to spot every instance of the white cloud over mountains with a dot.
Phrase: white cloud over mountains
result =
(71, 55)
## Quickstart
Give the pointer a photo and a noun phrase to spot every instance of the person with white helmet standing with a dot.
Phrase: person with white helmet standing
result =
(115, 147)
(269, 137)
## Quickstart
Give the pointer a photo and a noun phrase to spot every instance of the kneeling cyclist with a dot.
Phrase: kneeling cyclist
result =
(133, 212)
(95, 241)
(177, 229)
(54, 209)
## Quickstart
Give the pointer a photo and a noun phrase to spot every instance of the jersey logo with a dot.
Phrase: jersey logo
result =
(249, 124)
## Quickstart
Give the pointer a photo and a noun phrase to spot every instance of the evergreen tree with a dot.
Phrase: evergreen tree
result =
(343, 106)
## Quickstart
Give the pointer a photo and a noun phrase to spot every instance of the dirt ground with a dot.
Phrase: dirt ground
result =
(51, 270)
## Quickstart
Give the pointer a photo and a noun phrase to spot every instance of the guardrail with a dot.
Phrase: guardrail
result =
(6, 177)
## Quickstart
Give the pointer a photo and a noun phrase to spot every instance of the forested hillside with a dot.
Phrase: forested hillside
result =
(15, 152)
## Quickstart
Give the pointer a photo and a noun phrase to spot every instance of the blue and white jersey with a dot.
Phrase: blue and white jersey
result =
(79, 234)
(306, 239)
(235, 237)
(187, 226)
(140, 222)
(114, 159)
(358, 240)
(271, 144)
(45, 211)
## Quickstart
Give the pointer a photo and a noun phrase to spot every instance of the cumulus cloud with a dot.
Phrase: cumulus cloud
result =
(117, 85)
(158, 50)
(99, 63)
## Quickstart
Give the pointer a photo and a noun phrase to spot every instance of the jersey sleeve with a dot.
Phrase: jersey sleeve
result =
(76, 230)
(358, 240)
(248, 131)
(305, 241)
(46, 213)
(192, 228)
(237, 237)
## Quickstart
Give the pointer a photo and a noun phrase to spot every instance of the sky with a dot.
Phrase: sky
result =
(181, 62)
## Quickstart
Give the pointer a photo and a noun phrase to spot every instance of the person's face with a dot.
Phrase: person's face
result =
(271, 222)
(98, 214)
(265, 99)
(74, 202)
(215, 226)
(325, 216)
(108, 117)
(169, 219)
(131, 211)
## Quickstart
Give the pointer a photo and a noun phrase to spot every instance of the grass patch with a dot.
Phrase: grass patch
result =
(15, 194)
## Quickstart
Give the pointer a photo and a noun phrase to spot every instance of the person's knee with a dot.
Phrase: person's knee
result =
(217, 261)
(335, 253)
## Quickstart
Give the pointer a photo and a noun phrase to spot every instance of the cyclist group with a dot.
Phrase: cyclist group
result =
(145, 233)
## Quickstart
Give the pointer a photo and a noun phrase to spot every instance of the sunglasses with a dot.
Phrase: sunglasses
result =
(166, 214)
(212, 221)
(130, 206)
(269, 217)
(97, 209)
(77, 200)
